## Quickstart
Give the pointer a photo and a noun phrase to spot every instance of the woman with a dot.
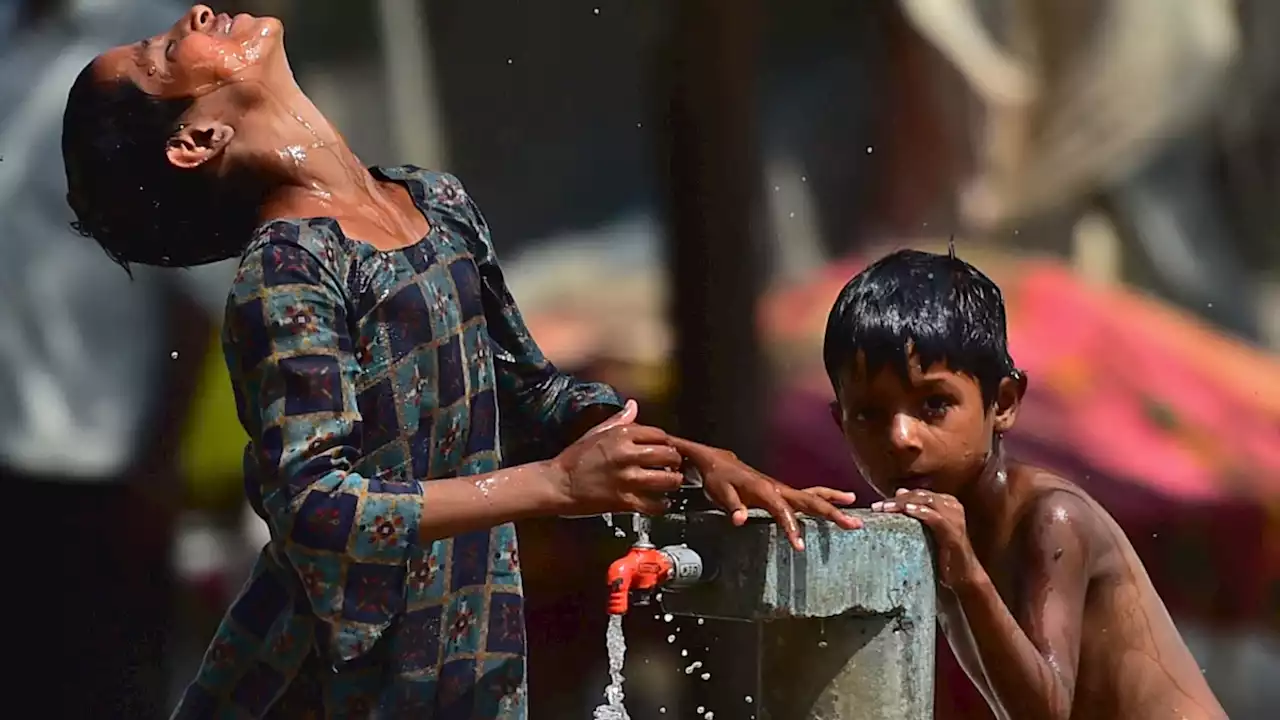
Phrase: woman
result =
(373, 347)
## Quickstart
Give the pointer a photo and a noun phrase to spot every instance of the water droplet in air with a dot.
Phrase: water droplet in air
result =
(684, 653)
(706, 676)
(747, 698)
(671, 638)
(667, 618)
(822, 643)
(595, 11)
(791, 215)
(869, 149)
(663, 710)
(174, 355)
(701, 710)
(701, 621)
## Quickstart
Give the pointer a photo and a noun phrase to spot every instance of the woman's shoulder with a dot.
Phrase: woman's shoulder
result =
(432, 191)
(294, 251)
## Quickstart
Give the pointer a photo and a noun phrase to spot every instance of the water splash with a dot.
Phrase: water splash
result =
(616, 643)
(640, 524)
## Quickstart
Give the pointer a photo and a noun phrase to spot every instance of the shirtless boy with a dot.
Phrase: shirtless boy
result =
(1043, 599)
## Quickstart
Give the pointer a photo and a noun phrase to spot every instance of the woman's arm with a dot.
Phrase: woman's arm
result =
(349, 537)
(544, 409)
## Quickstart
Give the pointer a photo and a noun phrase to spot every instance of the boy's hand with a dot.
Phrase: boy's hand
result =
(944, 516)
(736, 486)
(618, 466)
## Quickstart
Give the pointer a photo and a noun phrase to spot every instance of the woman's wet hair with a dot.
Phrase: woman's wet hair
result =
(128, 196)
(940, 307)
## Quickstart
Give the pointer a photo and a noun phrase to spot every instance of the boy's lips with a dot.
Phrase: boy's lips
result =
(913, 480)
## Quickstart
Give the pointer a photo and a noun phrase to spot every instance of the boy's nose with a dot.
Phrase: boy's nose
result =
(904, 433)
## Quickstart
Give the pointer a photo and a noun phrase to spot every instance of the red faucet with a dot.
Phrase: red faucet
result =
(645, 568)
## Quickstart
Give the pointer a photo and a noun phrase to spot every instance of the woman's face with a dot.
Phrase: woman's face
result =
(202, 52)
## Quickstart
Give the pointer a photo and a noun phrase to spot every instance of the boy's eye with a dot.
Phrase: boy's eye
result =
(169, 49)
(936, 405)
(866, 415)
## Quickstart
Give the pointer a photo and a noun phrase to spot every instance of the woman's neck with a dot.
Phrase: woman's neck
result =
(314, 169)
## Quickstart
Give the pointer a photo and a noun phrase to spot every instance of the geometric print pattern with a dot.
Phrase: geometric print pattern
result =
(361, 374)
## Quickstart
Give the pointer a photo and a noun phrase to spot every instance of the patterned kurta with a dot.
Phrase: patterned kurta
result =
(360, 374)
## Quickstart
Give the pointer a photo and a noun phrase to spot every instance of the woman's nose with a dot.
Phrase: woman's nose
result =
(199, 17)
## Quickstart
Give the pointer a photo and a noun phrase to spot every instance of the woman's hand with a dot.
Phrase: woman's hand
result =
(619, 466)
(735, 486)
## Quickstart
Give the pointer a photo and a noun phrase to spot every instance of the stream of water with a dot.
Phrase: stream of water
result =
(613, 707)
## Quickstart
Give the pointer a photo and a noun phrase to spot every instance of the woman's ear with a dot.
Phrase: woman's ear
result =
(197, 143)
(1009, 400)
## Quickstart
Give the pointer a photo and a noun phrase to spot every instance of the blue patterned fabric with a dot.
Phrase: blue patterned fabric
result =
(359, 374)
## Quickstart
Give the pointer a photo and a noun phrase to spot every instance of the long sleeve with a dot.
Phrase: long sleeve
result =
(538, 403)
(290, 354)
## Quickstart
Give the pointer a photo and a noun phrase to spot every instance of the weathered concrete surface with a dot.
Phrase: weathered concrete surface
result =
(847, 627)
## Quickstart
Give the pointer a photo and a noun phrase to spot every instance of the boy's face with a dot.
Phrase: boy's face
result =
(931, 431)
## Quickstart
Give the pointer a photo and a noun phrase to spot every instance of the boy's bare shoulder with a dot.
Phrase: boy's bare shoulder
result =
(1050, 506)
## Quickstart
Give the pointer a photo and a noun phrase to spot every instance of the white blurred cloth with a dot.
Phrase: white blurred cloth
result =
(81, 346)
(1078, 93)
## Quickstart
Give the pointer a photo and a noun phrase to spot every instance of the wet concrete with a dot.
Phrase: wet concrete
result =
(843, 631)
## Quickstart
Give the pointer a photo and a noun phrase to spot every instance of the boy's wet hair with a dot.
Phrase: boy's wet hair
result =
(941, 307)
(125, 193)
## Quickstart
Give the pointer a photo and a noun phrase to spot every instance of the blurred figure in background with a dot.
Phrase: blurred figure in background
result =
(1106, 111)
(95, 373)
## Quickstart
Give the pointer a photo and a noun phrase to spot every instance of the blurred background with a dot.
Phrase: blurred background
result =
(678, 190)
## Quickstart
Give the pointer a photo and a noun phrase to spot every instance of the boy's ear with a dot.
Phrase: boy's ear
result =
(1009, 400)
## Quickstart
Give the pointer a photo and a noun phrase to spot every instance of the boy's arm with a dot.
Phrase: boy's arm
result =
(550, 409)
(1030, 655)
